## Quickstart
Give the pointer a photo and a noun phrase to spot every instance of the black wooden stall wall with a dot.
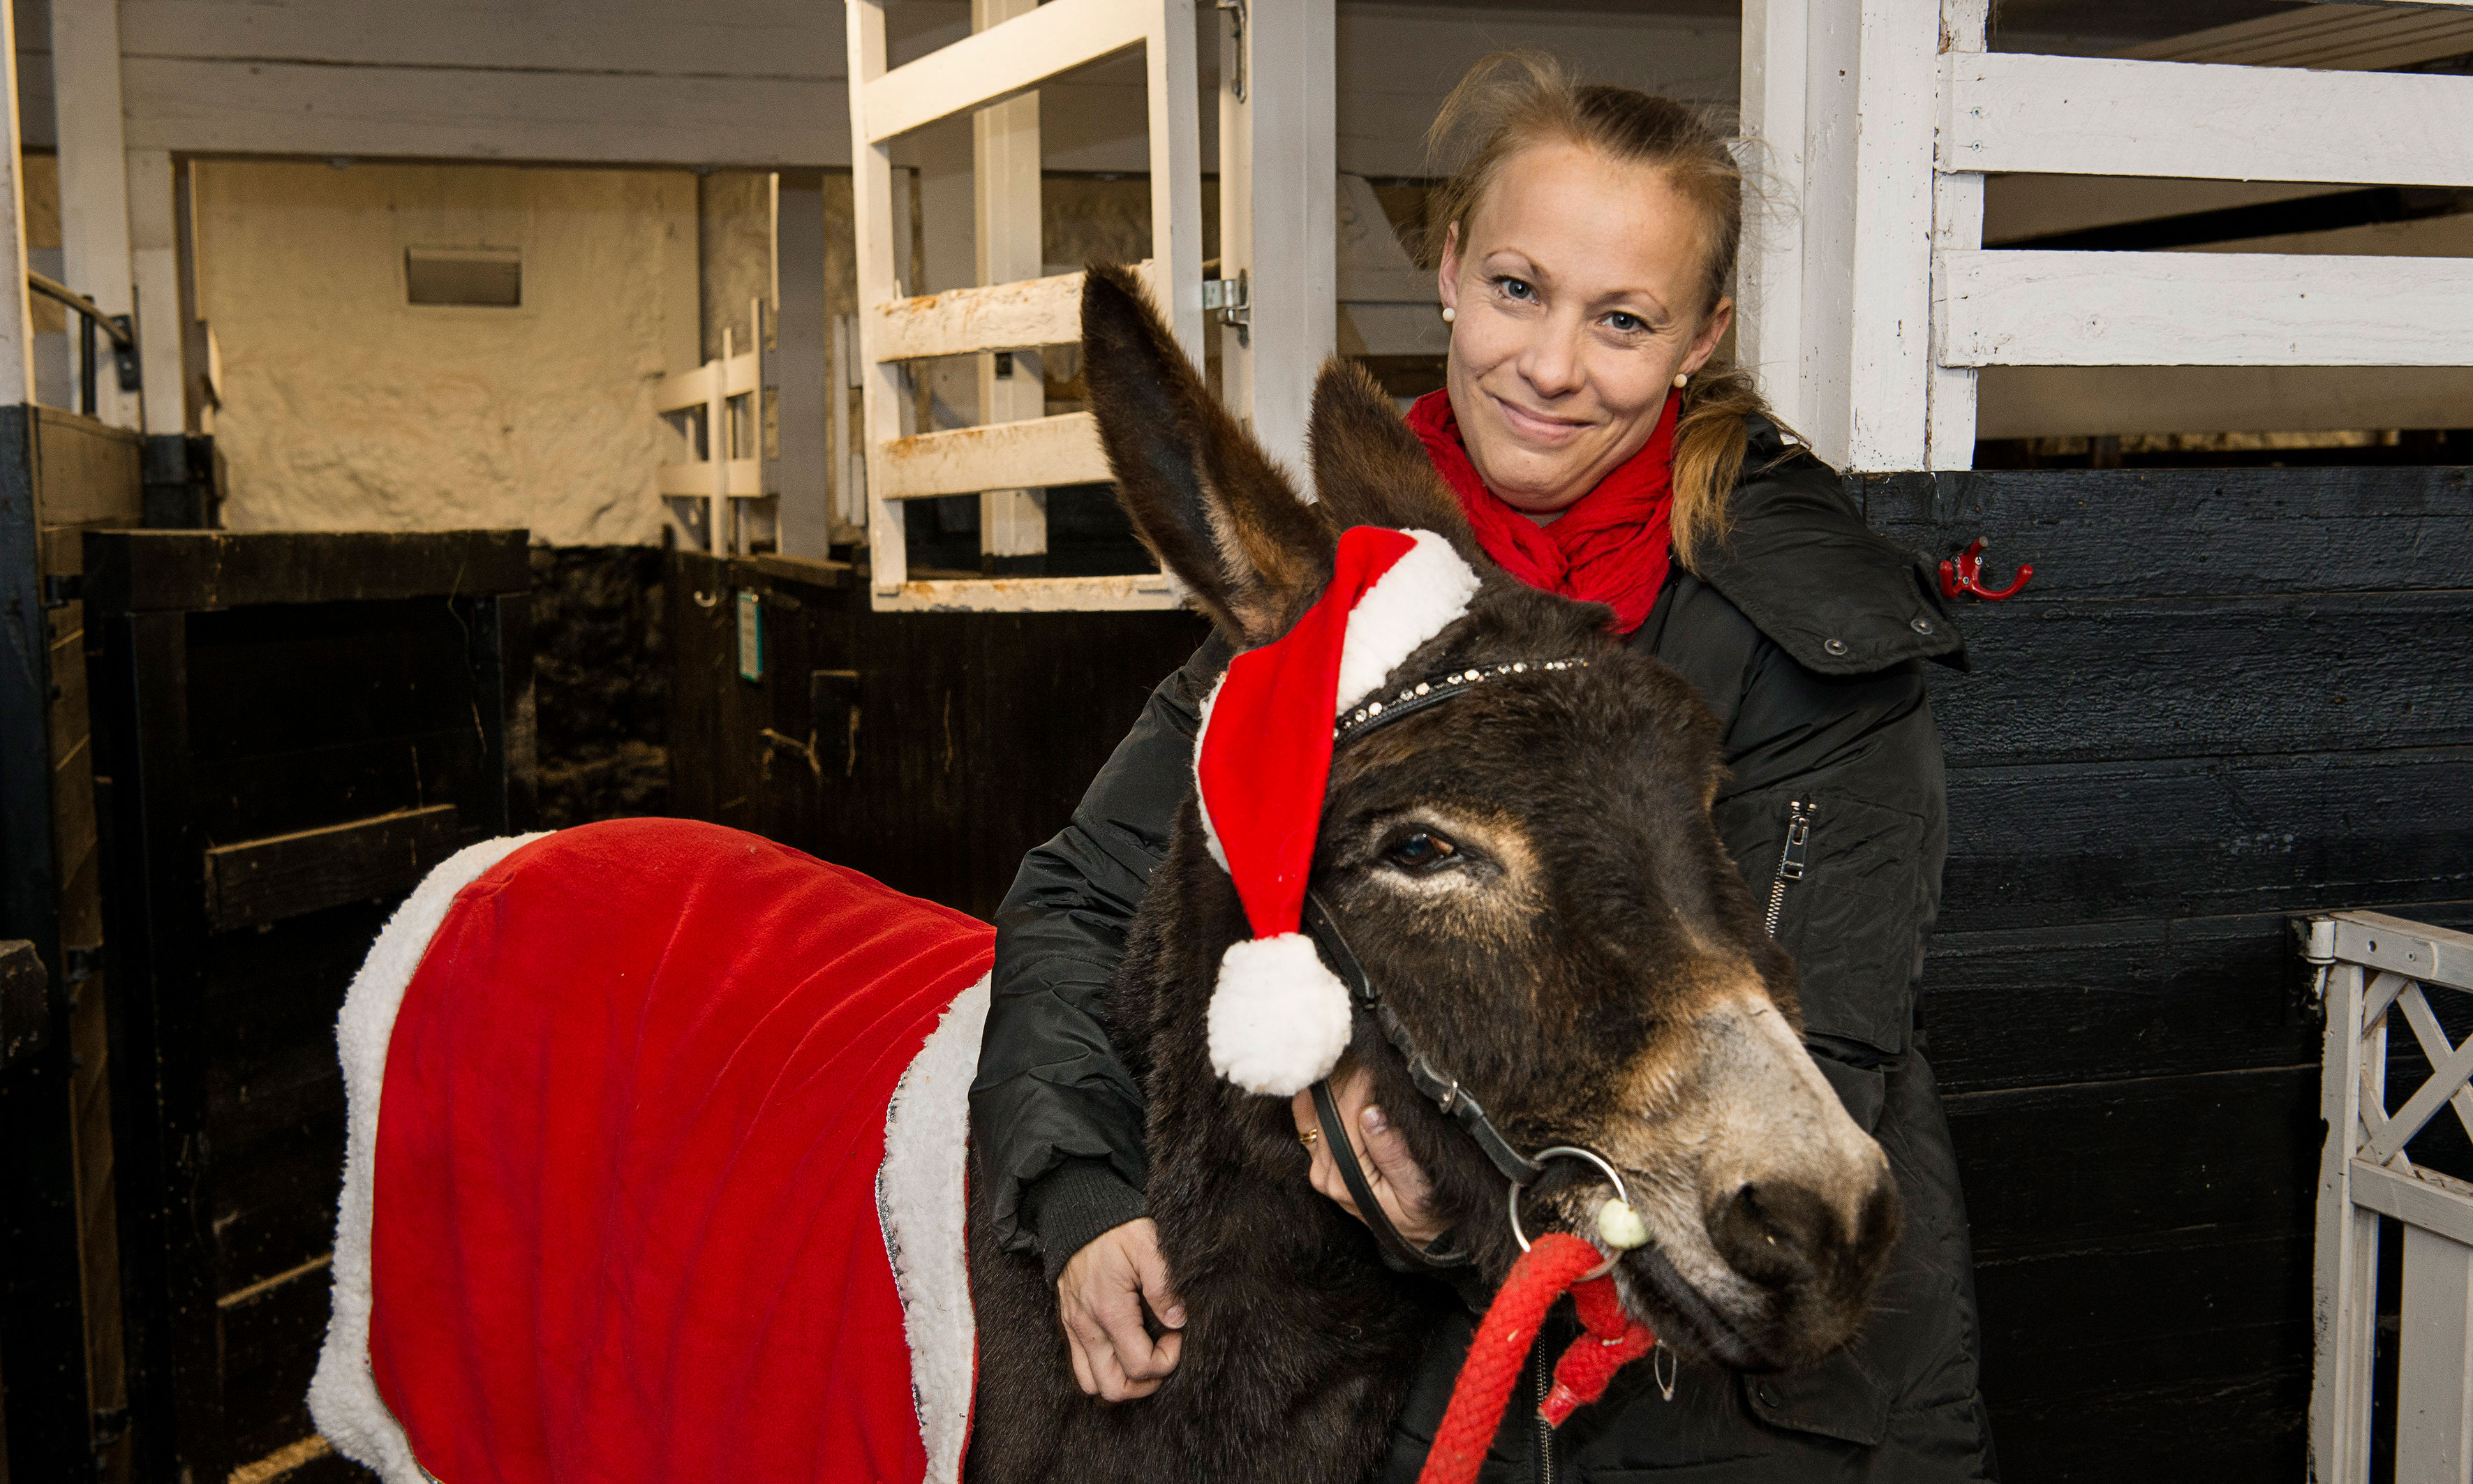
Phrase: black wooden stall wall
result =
(930, 750)
(61, 476)
(2225, 698)
(297, 726)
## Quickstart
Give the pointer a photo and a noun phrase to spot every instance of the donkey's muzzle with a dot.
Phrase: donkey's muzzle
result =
(1816, 1266)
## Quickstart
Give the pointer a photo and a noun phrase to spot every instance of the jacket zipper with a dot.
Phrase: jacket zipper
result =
(1541, 1381)
(1798, 834)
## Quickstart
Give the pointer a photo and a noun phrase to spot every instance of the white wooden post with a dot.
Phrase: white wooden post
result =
(871, 216)
(1769, 339)
(2434, 1360)
(1176, 170)
(94, 182)
(155, 264)
(2347, 1248)
(1005, 166)
(16, 316)
(717, 446)
(1278, 171)
(802, 369)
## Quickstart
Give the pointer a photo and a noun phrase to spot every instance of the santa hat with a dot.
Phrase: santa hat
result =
(1279, 1018)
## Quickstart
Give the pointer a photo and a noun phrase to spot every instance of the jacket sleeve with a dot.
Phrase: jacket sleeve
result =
(1056, 1114)
(1859, 758)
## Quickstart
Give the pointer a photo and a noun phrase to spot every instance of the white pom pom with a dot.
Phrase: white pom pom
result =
(1279, 1018)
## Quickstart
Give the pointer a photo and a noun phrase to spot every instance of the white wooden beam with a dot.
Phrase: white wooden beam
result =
(2344, 1308)
(155, 264)
(1277, 172)
(1020, 314)
(2034, 308)
(1768, 301)
(1176, 165)
(2435, 1359)
(1139, 591)
(873, 227)
(994, 65)
(801, 367)
(16, 316)
(1888, 298)
(2416, 950)
(1059, 450)
(94, 178)
(1958, 226)
(2081, 115)
(1005, 187)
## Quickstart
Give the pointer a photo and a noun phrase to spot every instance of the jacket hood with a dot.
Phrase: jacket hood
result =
(1802, 566)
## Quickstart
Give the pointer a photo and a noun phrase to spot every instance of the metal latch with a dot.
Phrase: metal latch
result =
(1234, 10)
(1230, 300)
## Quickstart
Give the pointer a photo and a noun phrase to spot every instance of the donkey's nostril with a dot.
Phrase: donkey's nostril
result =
(1774, 1233)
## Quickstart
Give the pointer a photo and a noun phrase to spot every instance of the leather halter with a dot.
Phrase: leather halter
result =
(1432, 1082)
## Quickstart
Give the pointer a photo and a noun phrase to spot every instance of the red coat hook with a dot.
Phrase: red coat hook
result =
(1965, 573)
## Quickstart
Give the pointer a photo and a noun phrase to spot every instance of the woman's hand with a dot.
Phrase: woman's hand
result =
(1099, 1296)
(1397, 1183)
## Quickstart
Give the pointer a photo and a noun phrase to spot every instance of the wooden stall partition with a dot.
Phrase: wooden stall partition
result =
(930, 750)
(2225, 698)
(62, 476)
(298, 727)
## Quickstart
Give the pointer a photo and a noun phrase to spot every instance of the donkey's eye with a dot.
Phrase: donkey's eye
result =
(1422, 852)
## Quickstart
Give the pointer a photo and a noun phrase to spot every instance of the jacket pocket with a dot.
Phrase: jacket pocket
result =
(1842, 892)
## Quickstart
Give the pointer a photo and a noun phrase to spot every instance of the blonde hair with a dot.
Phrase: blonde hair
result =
(1513, 100)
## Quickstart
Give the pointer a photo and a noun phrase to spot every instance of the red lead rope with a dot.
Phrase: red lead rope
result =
(1613, 1340)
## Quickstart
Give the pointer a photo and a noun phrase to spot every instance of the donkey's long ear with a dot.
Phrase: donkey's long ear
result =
(1369, 469)
(1205, 498)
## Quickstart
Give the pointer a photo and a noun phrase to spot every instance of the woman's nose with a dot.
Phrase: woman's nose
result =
(1553, 362)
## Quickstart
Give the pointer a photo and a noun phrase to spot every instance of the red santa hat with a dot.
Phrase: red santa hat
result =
(1280, 1017)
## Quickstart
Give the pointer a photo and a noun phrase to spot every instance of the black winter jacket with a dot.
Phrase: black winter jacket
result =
(1805, 636)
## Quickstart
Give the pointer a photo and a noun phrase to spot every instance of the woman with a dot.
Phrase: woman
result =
(1585, 248)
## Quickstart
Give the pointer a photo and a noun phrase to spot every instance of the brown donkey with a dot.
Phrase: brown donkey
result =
(1528, 874)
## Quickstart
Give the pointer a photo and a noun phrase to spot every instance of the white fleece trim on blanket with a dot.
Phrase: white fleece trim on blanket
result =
(922, 1201)
(344, 1396)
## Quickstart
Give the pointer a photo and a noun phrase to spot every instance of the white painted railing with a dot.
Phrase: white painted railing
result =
(719, 406)
(1870, 306)
(2373, 968)
(1275, 173)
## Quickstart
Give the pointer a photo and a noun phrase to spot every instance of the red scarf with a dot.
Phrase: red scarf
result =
(1611, 546)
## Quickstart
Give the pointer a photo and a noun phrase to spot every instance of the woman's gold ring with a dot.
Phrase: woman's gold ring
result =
(1308, 1136)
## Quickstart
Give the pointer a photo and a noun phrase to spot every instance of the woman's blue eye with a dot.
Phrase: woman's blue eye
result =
(1626, 323)
(1516, 288)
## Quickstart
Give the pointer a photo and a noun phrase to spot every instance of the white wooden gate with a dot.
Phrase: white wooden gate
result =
(718, 410)
(1870, 305)
(1276, 170)
(2374, 968)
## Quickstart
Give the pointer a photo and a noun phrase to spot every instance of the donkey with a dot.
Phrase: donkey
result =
(1530, 875)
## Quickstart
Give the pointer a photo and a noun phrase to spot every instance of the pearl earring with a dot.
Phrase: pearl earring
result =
(1680, 378)
(1449, 314)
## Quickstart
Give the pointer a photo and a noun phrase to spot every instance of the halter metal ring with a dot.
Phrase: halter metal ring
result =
(1573, 1152)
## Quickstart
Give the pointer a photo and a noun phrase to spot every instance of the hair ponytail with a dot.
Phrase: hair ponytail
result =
(1513, 100)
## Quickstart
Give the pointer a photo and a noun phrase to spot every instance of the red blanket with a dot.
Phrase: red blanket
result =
(625, 1215)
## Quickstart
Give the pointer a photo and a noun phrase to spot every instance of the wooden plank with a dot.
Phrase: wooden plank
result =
(991, 65)
(1001, 317)
(1768, 312)
(2417, 950)
(2048, 844)
(1142, 591)
(1888, 242)
(1279, 214)
(2018, 307)
(871, 216)
(2053, 1168)
(2092, 115)
(260, 881)
(2110, 533)
(686, 391)
(135, 571)
(25, 1004)
(1059, 450)
(744, 480)
(2345, 1240)
(244, 106)
(87, 103)
(2183, 677)
(2435, 1357)
(2434, 1203)
(2384, 35)
(85, 473)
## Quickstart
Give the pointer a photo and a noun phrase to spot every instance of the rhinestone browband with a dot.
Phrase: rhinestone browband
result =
(1427, 692)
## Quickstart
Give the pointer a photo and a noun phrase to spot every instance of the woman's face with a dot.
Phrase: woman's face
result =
(1577, 299)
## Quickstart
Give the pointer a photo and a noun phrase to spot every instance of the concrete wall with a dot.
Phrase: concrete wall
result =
(344, 407)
